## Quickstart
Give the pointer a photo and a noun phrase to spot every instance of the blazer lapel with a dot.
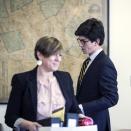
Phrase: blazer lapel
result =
(60, 80)
(33, 88)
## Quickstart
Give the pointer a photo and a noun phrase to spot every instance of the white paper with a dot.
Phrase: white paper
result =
(80, 128)
(72, 122)
(55, 125)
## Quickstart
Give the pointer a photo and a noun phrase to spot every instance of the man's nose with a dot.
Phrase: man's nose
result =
(58, 58)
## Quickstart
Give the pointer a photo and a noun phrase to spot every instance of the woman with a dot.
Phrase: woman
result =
(37, 93)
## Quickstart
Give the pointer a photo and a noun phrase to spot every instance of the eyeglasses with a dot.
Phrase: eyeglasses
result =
(82, 41)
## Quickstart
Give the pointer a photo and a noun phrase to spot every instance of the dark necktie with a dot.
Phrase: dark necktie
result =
(82, 72)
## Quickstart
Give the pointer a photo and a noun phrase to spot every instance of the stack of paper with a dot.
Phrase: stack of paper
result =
(59, 113)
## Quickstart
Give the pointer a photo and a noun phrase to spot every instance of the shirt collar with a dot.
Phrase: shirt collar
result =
(93, 56)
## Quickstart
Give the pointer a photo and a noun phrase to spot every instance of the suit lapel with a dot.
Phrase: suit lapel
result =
(94, 63)
(90, 69)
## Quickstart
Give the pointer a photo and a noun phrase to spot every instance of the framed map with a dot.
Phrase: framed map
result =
(23, 22)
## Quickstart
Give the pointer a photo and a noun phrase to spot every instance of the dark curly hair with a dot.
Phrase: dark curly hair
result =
(92, 29)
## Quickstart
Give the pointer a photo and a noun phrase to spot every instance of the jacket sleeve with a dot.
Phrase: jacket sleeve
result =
(107, 85)
(14, 102)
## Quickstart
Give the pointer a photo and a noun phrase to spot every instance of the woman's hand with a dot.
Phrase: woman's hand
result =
(29, 125)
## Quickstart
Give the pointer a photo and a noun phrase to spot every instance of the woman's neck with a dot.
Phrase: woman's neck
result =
(43, 74)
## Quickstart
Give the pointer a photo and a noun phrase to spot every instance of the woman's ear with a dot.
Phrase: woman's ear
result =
(39, 61)
(39, 55)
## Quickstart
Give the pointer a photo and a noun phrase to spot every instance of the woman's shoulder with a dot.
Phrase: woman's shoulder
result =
(25, 74)
(63, 75)
(62, 72)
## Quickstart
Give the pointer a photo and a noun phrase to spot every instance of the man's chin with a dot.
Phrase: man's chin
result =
(84, 52)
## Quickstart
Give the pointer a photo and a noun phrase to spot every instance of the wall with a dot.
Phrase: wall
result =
(2, 113)
(120, 52)
(23, 22)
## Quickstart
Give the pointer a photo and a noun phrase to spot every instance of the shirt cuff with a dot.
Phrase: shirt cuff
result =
(81, 107)
(18, 122)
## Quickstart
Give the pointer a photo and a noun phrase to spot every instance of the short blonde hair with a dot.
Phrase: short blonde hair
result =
(47, 46)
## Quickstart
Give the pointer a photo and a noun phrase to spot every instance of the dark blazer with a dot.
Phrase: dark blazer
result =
(98, 91)
(23, 98)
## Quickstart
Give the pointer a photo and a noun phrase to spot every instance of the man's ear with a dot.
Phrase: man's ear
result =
(98, 41)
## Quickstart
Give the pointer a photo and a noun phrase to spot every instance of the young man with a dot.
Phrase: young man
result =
(97, 84)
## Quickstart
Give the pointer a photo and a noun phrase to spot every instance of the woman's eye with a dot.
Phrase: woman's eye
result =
(60, 55)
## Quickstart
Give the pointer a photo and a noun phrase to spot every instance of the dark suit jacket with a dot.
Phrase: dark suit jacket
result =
(23, 98)
(98, 91)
